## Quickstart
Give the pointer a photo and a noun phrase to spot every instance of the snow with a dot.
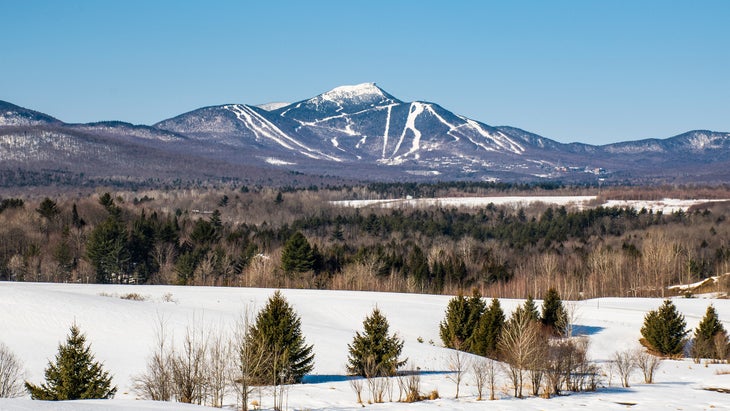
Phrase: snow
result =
(273, 105)
(352, 92)
(666, 205)
(278, 162)
(415, 110)
(35, 317)
(387, 129)
(263, 128)
(514, 201)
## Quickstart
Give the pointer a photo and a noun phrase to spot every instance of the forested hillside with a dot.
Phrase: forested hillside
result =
(255, 236)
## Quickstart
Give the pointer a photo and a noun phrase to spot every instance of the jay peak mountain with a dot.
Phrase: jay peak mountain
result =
(350, 133)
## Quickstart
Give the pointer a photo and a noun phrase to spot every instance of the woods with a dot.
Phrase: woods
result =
(289, 237)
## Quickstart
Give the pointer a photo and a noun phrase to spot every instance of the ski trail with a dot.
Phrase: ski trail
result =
(415, 111)
(387, 129)
(263, 128)
(500, 140)
(452, 128)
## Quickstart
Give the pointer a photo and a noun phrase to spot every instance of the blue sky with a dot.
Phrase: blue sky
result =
(589, 71)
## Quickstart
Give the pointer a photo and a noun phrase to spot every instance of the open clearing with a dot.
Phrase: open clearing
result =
(34, 318)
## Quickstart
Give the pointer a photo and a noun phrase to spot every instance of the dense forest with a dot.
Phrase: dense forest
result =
(295, 237)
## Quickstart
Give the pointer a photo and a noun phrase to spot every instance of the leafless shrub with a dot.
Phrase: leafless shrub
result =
(189, 367)
(133, 297)
(409, 384)
(624, 363)
(377, 385)
(11, 374)
(156, 382)
(647, 363)
(356, 383)
(722, 346)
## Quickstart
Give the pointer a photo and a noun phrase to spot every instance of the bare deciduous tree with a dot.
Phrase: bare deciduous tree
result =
(11, 374)
(458, 364)
(484, 372)
(156, 383)
(189, 367)
(520, 344)
(218, 357)
(249, 361)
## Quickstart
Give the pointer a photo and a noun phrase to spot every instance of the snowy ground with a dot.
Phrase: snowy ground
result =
(667, 205)
(34, 318)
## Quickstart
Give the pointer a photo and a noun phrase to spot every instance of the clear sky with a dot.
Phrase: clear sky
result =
(588, 71)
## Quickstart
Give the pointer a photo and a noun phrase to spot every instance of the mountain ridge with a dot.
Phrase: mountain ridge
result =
(360, 132)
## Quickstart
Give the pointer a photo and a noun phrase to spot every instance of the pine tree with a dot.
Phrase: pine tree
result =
(664, 330)
(374, 353)
(489, 330)
(48, 209)
(278, 328)
(706, 333)
(75, 375)
(554, 317)
(461, 321)
(297, 255)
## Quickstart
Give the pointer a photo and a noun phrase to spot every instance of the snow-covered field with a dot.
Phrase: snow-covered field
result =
(667, 205)
(34, 318)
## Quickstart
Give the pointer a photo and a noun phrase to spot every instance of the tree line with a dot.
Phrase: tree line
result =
(266, 237)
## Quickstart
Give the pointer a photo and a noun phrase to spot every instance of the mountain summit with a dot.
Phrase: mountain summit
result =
(355, 131)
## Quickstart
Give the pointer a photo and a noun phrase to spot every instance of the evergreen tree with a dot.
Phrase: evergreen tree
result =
(531, 309)
(417, 267)
(75, 375)
(706, 333)
(48, 209)
(489, 331)
(297, 255)
(664, 330)
(107, 250)
(554, 316)
(76, 221)
(278, 328)
(374, 353)
(461, 321)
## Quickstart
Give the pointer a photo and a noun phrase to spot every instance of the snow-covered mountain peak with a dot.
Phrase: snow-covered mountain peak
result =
(365, 93)
(273, 105)
(354, 91)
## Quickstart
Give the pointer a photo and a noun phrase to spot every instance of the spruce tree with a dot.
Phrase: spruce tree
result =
(531, 309)
(374, 353)
(554, 317)
(706, 333)
(278, 328)
(74, 375)
(461, 321)
(297, 255)
(664, 330)
(489, 330)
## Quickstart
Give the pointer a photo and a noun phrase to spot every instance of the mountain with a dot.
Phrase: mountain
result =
(358, 132)
(12, 115)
